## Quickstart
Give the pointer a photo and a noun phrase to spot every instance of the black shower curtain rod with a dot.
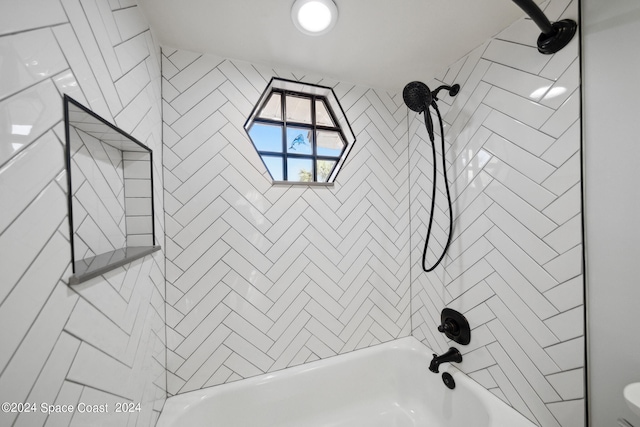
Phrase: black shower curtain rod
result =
(554, 36)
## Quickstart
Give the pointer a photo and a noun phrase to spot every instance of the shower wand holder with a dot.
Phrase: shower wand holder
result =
(455, 326)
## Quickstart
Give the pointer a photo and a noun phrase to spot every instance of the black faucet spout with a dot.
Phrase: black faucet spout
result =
(453, 355)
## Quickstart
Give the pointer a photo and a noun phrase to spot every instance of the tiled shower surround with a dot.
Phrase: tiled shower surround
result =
(261, 277)
(103, 341)
(514, 267)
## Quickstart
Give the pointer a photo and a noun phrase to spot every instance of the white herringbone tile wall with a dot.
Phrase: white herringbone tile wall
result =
(103, 341)
(262, 277)
(515, 264)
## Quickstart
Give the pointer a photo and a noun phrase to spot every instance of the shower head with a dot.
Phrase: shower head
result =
(417, 96)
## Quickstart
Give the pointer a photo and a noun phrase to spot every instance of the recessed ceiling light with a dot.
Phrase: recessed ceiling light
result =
(314, 17)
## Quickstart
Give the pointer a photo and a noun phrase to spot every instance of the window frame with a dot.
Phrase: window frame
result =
(314, 93)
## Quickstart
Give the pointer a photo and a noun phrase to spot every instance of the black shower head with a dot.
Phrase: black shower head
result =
(417, 96)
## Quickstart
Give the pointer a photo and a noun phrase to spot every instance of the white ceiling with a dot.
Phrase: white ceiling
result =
(378, 43)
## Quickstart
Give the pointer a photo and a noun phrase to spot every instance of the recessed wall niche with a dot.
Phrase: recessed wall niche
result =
(110, 194)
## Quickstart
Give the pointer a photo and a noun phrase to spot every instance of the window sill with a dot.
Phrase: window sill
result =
(304, 184)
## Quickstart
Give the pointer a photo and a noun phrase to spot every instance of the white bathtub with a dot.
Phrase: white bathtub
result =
(381, 386)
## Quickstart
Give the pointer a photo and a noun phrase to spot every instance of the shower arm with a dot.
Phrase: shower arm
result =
(453, 91)
(555, 35)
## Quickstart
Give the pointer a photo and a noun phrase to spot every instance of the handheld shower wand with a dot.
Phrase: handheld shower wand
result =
(418, 97)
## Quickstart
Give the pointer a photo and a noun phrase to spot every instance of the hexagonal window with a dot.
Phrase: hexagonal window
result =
(300, 132)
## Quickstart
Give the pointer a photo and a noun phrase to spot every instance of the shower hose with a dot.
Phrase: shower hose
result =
(433, 194)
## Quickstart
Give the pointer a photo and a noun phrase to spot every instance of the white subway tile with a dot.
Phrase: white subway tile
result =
(518, 295)
(100, 371)
(22, 305)
(524, 238)
(567, 265)
(18, 15)
(566, 236)
(67, 84)
(480, 314)
(569, 354)
(565, 177)
(29, 114)
(30, 171)
(138, 225)
(241, 367)
(522, 109)
(132, 83)
(182, 58)
(564, 117)
(133, 115)
(570, 413)
(564, 147)
(476, 360)
(84, 32)
(523, 362)
(248, 331)
(560, 61)
(563, 87)
(515, 55)
(508, 392)
(131, 52)
(67, 40)
(520, 184)
(29, 58)
(69, 395)
(100, 20)
(93, 327)
(249, 352)
(523, 31)
(530, 217)
(570, 384)
(516, 81)
(521, 260)
(21, 372)
(138, 206)
(518, 133)
(568, 325)
(520, 383)
(212, 365)
(567, 295)
(134, 169)
(27, 235)
(566, 206)
(130, 22)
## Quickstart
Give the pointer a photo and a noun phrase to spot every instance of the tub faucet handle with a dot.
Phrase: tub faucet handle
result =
(450, 327)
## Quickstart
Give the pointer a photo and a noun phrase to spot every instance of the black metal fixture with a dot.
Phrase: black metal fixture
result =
(554, 36)
(453, 355)
(418, 97)
(455, 326)
(447, 379)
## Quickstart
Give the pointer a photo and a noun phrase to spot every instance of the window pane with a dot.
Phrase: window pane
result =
(300, 170)
(266, 137)
(329, 143)
(298, 140)
(273, 108)
(274, 166)
(322, 115)
(324, 169)
(298, 109)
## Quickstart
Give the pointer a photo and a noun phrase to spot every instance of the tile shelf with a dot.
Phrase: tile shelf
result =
(111, 197)
(89, 268)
